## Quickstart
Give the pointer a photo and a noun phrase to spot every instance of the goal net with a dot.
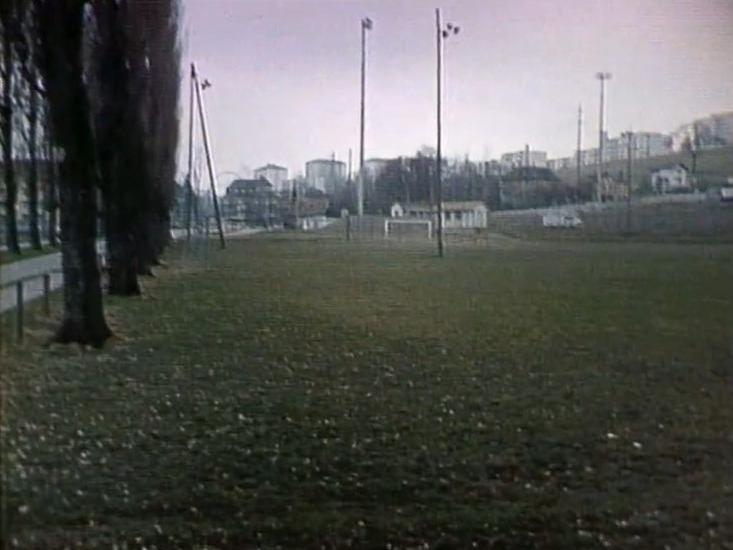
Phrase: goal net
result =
(401, 228)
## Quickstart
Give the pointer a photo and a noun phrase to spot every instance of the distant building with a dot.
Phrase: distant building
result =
(675, 179)
(644, 145)
(651, 144)
(712, 131)
(307, 212)
(562, 163)
(22, 200)
(456, 214)
(276, 175)
(326, 175)
(373, 168)
(524, 158)
(531, 187)
(252, 202)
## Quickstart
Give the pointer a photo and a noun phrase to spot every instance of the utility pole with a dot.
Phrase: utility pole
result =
(525, 174)
(333, 172)
(629, 155)
(601, 132)
(579, 146)
(440, 34)
(366, 24)
(189, 177)
(207, 148)
(349, 172)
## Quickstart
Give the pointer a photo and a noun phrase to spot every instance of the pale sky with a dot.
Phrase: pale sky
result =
(285, 74)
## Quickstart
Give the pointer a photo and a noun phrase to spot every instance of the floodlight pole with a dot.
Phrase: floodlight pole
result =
(209, 158)
(366, 24)
(438, 160)
(440, 34)
(601, 131)
(579, 145)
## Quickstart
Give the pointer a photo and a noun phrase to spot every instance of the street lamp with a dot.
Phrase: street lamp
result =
(441, 33)
(601, 131)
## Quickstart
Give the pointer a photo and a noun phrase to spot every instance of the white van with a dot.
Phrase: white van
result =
(561, 219)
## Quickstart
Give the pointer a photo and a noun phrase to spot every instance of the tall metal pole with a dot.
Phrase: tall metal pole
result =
(189, 178)
(601, 132)
(349, 173)
(366, 24)
(579, 145)
(438, 160)
(629, 155)
(209, 158)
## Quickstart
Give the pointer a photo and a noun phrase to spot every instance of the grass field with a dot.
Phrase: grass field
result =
(305, 393)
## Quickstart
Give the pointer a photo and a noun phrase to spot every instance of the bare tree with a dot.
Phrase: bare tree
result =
(9, 28)
(28, 102)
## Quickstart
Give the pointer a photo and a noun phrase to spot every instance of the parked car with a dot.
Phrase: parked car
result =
(561, 220)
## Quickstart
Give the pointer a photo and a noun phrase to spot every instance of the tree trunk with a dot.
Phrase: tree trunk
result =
(35, 235)
(61, 32)
(121, 256)
(83, 320)
(11, 191)
(51, 192)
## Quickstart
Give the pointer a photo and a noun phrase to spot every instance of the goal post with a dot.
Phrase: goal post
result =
(402, 226)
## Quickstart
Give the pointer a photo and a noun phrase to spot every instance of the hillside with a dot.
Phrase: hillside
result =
(713, 167)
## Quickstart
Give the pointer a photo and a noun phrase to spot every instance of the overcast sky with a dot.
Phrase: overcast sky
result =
(285, 74)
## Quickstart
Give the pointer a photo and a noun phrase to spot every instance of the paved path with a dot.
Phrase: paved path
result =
(32, 288)
(32, 270)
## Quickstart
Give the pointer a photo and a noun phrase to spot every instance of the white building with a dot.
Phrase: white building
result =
(671, 180)
(644, 145)
(373, 168)
(714, 130)
(325, 174)
(456, 214)
(276, 175)
(651, 144)
(524, 158)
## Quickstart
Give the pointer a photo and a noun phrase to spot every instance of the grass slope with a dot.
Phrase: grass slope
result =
(307, 393)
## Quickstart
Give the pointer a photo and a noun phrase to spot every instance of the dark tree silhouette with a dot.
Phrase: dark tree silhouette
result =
(136, 118)
(61, 28)
(9, 26)
(29, 104)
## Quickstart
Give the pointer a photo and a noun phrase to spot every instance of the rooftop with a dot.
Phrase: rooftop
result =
(271, 167)
(325, 161)
(243, 184)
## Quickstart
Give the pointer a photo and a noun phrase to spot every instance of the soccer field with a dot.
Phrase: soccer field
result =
(306, 392)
